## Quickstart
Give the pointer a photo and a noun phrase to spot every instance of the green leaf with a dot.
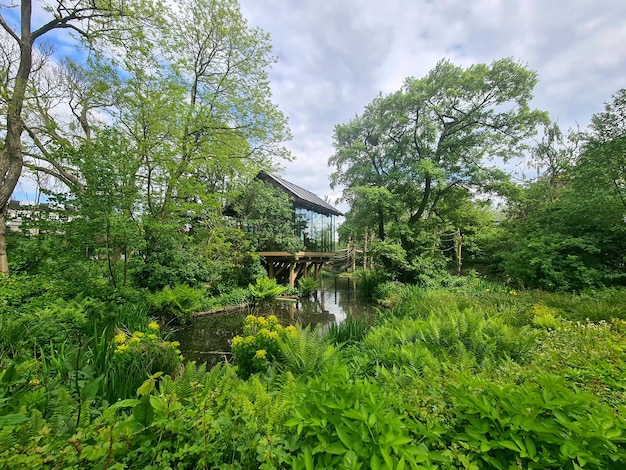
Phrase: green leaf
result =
(308, 458)
(13, 419)
(128, 403)
(90, 390)
(509, 445)
(530, 446)
(143, 413)
(158, 404)
(10, 375)
(343, 437)
(336, 448)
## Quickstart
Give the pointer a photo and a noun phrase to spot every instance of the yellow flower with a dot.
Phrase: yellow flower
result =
(152, 336)
(135, 339)
(272, 319)
(34, 383)
(250, 319)
(260, 354)
(121, 348)
(153, 326)
(237, 340)
(263, 322)
(138, 334)
(292, 331)
(513, 292)
(121, 338)
(174, 344)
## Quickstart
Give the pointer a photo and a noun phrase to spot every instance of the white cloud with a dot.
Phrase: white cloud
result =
(335, 57)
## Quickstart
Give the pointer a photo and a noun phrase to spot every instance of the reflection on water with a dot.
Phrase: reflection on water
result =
(207, 338)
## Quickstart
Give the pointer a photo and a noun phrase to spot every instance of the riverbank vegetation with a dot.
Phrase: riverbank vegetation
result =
(471, 376)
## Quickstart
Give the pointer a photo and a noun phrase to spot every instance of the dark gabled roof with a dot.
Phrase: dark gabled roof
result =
(302, 198)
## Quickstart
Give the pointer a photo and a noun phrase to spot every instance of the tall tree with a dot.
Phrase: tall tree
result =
(88, 18)
(190, 98)
(437, 133)
(567, 229)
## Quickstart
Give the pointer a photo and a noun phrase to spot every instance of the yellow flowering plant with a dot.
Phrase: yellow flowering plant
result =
(260, 343)
(138, 354)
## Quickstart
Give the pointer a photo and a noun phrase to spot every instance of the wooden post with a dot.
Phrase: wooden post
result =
(365, 250)
(459, 244)
(292, 274)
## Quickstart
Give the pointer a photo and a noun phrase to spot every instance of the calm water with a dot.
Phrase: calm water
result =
(207, 338)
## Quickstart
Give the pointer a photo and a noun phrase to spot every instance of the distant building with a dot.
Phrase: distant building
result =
(20, 214)
(315, 221)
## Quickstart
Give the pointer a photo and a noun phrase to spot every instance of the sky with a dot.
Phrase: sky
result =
(336, 56)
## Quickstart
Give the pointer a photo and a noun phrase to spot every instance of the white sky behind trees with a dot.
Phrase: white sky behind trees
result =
(336, 56)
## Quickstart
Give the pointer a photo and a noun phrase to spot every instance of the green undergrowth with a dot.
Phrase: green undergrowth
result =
(473, 377)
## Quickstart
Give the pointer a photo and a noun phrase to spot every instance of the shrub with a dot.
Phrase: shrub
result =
(138, 355)
(236, 296)
(306, 286)
(305, 352)
(265, 289)
(259, 346)
(177, 303)
(542, 424)
(368, 281)
(340, 422)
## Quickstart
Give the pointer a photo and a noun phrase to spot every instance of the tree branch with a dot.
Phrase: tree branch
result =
(8, 29)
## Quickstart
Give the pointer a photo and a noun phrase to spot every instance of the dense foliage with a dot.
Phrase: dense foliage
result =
(420, 166)
(477, 376)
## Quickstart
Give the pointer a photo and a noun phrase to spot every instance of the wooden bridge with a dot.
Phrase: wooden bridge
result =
(287, 267)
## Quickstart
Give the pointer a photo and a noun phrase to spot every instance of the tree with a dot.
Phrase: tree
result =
(442, 133)
(189, 97)
(88, 18)
(567, 229)
(603, 160)
(266, 215)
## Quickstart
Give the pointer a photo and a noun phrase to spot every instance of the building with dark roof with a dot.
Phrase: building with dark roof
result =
(314, 220)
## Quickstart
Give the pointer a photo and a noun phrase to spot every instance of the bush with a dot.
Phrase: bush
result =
(542, 424)
(179, 303)
(237, 296)
(138, 355)
(368, 282)
(306, 286)
(340, 422)
(265, 289)
(260, 344)
(305, 352)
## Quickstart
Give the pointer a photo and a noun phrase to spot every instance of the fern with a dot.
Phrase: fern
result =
(306, 353)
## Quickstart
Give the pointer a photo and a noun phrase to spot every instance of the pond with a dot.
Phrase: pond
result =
(207, 338)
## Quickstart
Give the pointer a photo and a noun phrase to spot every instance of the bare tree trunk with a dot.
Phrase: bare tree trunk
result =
(4, 262)
(11, 158)
(459, 246)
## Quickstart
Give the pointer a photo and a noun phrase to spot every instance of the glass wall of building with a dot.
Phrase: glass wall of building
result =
(317, 231)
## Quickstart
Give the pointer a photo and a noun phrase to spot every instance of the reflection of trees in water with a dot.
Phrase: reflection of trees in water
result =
(208, 334)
